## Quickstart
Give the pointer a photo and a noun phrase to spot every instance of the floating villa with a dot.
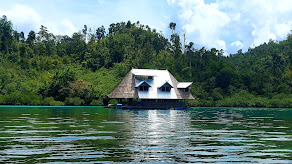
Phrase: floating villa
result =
(151, 89)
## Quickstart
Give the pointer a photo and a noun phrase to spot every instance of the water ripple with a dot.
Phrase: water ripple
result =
(97, 135)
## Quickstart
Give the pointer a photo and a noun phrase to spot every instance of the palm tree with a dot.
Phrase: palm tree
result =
(172, 26)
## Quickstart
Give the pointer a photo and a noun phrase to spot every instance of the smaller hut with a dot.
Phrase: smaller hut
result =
(151, 89)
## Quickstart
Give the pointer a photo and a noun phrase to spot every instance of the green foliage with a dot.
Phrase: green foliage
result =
(1, 99)
(76, 101)
(113, 101)
(98, 102)
(195, 102)
(84, 68)
(59, 88)
(16, 98)
(51, 102)
(6, 37)
(103, 81)
(280, 101)
(84, 90)
(245, 99)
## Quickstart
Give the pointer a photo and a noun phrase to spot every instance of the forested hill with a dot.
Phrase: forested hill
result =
(41, 68)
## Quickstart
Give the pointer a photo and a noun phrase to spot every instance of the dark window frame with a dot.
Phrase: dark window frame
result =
(165, 89)
(143, 88)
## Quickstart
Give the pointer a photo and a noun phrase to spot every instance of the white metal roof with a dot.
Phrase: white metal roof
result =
(159, 77)
(148, 72)
(136, 77)
(184, 84)
(166, 82)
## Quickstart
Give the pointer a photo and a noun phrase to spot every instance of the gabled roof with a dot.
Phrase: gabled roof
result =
(184, 84)
(143, 83)
(126, 89)
(165, 83)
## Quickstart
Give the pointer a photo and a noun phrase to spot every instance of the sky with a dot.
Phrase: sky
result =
(222, 24)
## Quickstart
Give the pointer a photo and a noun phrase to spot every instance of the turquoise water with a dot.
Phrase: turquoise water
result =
(98, 135)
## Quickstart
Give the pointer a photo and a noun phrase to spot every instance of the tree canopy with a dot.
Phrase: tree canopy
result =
(41, 68)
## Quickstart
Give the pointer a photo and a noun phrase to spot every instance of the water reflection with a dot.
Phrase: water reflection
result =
(201, 135)
(156, 134)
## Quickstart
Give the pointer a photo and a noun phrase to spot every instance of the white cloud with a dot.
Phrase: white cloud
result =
(237, 44)
(22, 14)
(25, 18)
(147, 12)
(66, 17)
(262, 34)
(202, 22)
(171, 2)
(282, 29)
(65, 27)
(224, 23)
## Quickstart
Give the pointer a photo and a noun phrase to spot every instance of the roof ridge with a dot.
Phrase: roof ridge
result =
(150, 69)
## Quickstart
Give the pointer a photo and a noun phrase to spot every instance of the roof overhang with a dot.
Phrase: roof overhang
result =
(143, 83)
(165, 83)
(183, 85)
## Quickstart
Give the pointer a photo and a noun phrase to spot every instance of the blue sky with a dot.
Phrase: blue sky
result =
(224, 24)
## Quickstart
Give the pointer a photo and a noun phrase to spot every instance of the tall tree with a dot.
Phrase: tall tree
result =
(16, 35)
(5, 34)
(100, 32)
(21, 36)
(31, 37)
(84, 32)
(184, 37)
(189, 50)
(129, 24)
(43, 34)
(172, 26)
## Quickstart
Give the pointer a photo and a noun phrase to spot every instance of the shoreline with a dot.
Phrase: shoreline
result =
(37, 106)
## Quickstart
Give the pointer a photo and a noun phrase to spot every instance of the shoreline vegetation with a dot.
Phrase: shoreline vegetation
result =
(41, 68)
(88, 106)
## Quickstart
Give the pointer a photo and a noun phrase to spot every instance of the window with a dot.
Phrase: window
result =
(165, 89)
(143, 88)
(186, 89)
(150, 77)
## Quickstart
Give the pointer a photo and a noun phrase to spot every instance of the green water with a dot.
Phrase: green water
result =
(98, 135)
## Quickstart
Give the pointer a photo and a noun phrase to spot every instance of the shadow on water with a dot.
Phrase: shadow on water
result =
(91, 134)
